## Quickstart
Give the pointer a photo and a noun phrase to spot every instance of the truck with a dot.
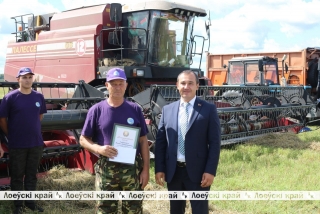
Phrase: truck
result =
(152, 41)
(297, 67)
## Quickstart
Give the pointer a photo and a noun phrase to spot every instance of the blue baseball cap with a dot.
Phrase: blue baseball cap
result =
(116, 74)
(24, 71)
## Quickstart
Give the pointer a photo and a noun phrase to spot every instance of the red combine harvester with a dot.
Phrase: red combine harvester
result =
(153, 42)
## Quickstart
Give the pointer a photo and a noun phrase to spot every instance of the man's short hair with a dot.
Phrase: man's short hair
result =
(189, 72)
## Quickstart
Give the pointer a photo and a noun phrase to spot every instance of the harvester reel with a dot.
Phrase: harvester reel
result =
(282, 99)
(233, 97)
(298, 100)
(272, 101)
(255, 101)
(245, 103)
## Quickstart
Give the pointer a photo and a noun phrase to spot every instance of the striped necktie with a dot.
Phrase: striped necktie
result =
(183, 128)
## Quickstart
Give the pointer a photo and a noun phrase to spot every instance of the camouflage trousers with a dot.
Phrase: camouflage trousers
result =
(112, 176)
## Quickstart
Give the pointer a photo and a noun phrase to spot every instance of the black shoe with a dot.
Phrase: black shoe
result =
(18, 210)
(35, 208)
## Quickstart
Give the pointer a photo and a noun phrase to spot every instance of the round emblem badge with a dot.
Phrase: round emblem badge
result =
(37, 104)
(130, 120)
(126, 133)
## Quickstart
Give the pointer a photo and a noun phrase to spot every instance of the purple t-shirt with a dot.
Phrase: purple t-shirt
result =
(23, 114)
(101, 118)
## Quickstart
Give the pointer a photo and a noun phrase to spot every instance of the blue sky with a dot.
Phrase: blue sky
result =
(238, 26)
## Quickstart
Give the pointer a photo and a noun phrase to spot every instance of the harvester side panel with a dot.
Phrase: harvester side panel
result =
(61, 56)
(19, 55)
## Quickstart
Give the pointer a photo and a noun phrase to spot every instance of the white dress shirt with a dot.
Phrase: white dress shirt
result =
(181, 157)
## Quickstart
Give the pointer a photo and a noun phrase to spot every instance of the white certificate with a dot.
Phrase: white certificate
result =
(125, 140)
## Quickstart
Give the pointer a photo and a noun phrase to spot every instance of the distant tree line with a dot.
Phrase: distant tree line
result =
(1, 77)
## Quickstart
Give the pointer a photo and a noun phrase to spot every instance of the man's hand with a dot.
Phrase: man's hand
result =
(160, 178)
(108, 151)
(144, 178)
(207, 180)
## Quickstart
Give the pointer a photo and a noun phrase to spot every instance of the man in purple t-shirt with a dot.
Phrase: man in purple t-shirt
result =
(21, 112)
(98, 127)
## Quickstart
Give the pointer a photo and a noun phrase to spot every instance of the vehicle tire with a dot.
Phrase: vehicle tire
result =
(312, 74)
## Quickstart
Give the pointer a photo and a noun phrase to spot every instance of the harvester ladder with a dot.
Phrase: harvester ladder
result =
(23, 34)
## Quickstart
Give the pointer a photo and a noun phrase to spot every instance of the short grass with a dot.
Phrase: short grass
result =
(278, 162)
(275, 162)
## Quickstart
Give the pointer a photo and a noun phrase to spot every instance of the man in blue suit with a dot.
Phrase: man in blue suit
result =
(188, 144)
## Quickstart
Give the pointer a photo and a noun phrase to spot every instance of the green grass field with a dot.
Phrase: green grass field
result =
(277, 162)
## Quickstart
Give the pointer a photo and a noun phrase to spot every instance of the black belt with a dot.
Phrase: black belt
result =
(181, 164)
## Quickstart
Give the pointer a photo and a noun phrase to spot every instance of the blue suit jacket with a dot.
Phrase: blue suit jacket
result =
(202, 144)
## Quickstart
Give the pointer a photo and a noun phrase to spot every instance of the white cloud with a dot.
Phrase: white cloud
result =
(253, 24)
(8, 9)
(270, 45)
(3, 45)
(11, 8)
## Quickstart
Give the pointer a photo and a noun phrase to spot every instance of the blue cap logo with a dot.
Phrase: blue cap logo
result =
(37, 104)
(130, 120)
